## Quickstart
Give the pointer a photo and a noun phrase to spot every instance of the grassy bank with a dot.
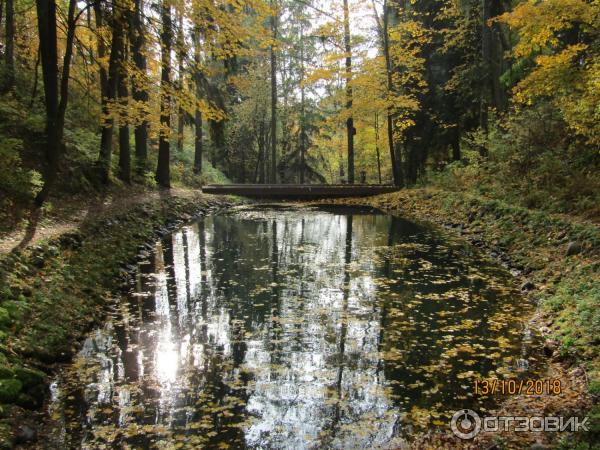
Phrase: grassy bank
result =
(53, 292)
(557, 259)
(56, 290)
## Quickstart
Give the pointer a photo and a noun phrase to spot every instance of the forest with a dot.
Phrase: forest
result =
(137, 311)
(498, 97)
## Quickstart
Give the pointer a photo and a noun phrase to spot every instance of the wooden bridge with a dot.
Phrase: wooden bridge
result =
(299, 191)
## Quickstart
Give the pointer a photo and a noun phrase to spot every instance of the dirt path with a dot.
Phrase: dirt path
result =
(70, 214)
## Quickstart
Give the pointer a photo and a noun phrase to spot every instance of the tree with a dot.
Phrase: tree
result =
(274, 18)
(123, 93)
(350, 120)
(298, 111)
(139, 90)
(180, 82)
(198, 145)
(9, 47)
(163, 167)
(383, 26)
(558, 46)
(56, 99)
(109, 88)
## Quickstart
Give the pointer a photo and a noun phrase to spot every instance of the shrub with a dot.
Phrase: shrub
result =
(532, 160)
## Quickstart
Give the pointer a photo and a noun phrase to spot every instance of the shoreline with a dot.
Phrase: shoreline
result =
(535, 248)
(59, 289)
(55, 291)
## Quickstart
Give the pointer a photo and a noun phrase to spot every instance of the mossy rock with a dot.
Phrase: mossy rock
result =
(6, 436)
(29, 377)
(16, 309)
(6, 293)
(9, 390)
(5, 319)
(28, 401)
(6, 372)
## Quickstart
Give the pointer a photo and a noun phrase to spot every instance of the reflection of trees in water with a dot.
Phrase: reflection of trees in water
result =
(276, 330)
(320, 392)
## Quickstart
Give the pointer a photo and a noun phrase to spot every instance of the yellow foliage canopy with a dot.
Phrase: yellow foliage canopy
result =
(566, 74)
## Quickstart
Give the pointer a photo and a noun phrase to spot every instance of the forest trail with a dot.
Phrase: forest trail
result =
(71, 214)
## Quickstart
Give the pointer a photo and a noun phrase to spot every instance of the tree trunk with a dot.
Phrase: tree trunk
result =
(55, 109)
(500, 46)
(262, 153)
(274, 18)
(35, 78)
(377, 147)
(139, 92)
(397, 172)
(486, 43)
(198, 142)
(110, 94)
(46, 12)
(198, 116)
(163, 168)
(266, 133)
(456, 144)
(180, 112)
(350, 121)
(9, 47)
(124, 147)
(302, 108)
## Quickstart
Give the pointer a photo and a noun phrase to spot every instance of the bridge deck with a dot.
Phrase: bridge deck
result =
(298, 191)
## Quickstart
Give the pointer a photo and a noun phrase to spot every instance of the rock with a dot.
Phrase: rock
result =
(5, 319)
(24, 434)
(573, 248)
(538, 446)
(9, 390)
(53, 250)
(550, 347)
(527, 286)
(28, 401)
(6, 436)
(70, 240)
(522, 365)
(50, 354)
(29, 377)
(6, 372)
(15, 309)
(578, 372)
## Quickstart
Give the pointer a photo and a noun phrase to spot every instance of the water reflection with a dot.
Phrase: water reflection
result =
(291, 329)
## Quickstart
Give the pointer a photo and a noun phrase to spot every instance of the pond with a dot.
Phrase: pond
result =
(293, 328)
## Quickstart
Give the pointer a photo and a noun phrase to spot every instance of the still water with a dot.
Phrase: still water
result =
(292, 328)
